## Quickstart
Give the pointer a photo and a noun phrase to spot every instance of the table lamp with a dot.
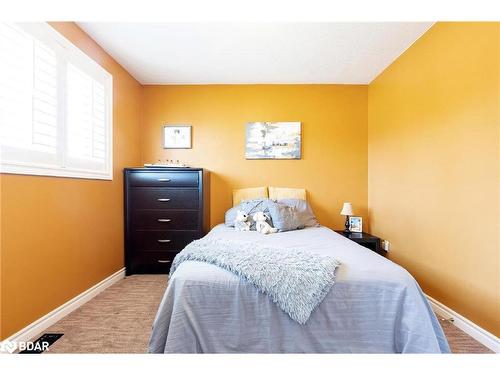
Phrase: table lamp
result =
(347, 211)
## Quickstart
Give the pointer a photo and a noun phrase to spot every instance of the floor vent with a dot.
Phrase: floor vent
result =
(42, 343)
(451, 320)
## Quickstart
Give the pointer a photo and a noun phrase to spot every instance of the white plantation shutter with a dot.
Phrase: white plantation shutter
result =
(55, 106)
(44, 99)
(86, 120)
(28, 98)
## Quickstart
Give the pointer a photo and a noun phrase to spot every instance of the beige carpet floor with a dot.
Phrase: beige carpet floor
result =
(119, 319)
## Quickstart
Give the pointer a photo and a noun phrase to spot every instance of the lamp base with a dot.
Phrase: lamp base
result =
(347, 225)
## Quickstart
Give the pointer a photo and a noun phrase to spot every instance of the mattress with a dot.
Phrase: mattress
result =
(375, 306)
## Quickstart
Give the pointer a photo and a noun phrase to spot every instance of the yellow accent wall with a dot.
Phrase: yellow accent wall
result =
(333, 167)
(60, 236)
(417, 151)
(433, 151)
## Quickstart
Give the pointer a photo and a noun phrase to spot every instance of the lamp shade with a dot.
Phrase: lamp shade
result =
(346, 209)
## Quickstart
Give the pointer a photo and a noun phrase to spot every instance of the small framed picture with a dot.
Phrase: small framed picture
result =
(177, 136)
(356, 224)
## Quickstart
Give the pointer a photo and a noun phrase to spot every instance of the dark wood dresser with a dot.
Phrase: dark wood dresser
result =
(165, 209)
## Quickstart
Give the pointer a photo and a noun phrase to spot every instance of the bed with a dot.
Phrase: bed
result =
(375, 306)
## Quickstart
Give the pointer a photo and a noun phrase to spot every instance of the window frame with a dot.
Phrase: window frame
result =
(70, 54)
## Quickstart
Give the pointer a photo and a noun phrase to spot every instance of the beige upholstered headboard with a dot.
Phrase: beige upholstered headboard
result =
(284, 193)
(249, 193)
(267, 192)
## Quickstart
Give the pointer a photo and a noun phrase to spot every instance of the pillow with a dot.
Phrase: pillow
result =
(285, 217)
(286, 193)
(230, 216)
(249, 207)
(304, 211)
(249, 193)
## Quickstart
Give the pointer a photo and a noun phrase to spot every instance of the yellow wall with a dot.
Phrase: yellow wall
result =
(333, 167)
(433, 143)
(419, 147)
(59, 236)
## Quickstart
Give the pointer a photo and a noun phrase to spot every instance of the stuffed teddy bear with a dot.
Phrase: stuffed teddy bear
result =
(261, 224)
(241, 223)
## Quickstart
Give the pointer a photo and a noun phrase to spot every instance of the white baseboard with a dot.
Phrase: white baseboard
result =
(472, 329)
(40, 325)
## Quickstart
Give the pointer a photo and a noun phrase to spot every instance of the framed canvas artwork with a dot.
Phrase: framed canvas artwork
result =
(273, 140)
(177, 136)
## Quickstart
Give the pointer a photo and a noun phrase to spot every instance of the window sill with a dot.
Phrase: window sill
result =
(54, 172)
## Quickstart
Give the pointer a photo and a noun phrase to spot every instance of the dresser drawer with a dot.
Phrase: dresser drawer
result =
(162, 240)
(165, 219)
(163, 198)
(177, 179)
(151, 262)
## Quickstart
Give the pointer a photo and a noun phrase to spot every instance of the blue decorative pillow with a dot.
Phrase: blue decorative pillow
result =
(285, 217)
(230, 216)
(303, 209)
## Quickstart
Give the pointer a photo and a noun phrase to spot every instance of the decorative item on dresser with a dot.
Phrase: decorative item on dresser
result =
(165, 209)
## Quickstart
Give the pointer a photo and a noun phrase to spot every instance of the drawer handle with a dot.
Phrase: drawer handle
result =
(163, 199)
(164, 179)
(164, 220)
(163, 261)
(163, 241)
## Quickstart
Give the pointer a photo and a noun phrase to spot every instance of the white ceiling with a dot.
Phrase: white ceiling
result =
(231, 53)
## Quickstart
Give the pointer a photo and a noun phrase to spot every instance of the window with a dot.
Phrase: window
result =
(55, 106)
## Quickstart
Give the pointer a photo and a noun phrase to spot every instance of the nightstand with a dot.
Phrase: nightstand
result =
(364, 239)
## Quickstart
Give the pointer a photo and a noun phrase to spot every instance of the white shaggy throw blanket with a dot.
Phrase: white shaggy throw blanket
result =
(297, 282)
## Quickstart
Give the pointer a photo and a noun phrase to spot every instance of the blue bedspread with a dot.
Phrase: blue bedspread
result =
(375, 306)
(296, 281)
